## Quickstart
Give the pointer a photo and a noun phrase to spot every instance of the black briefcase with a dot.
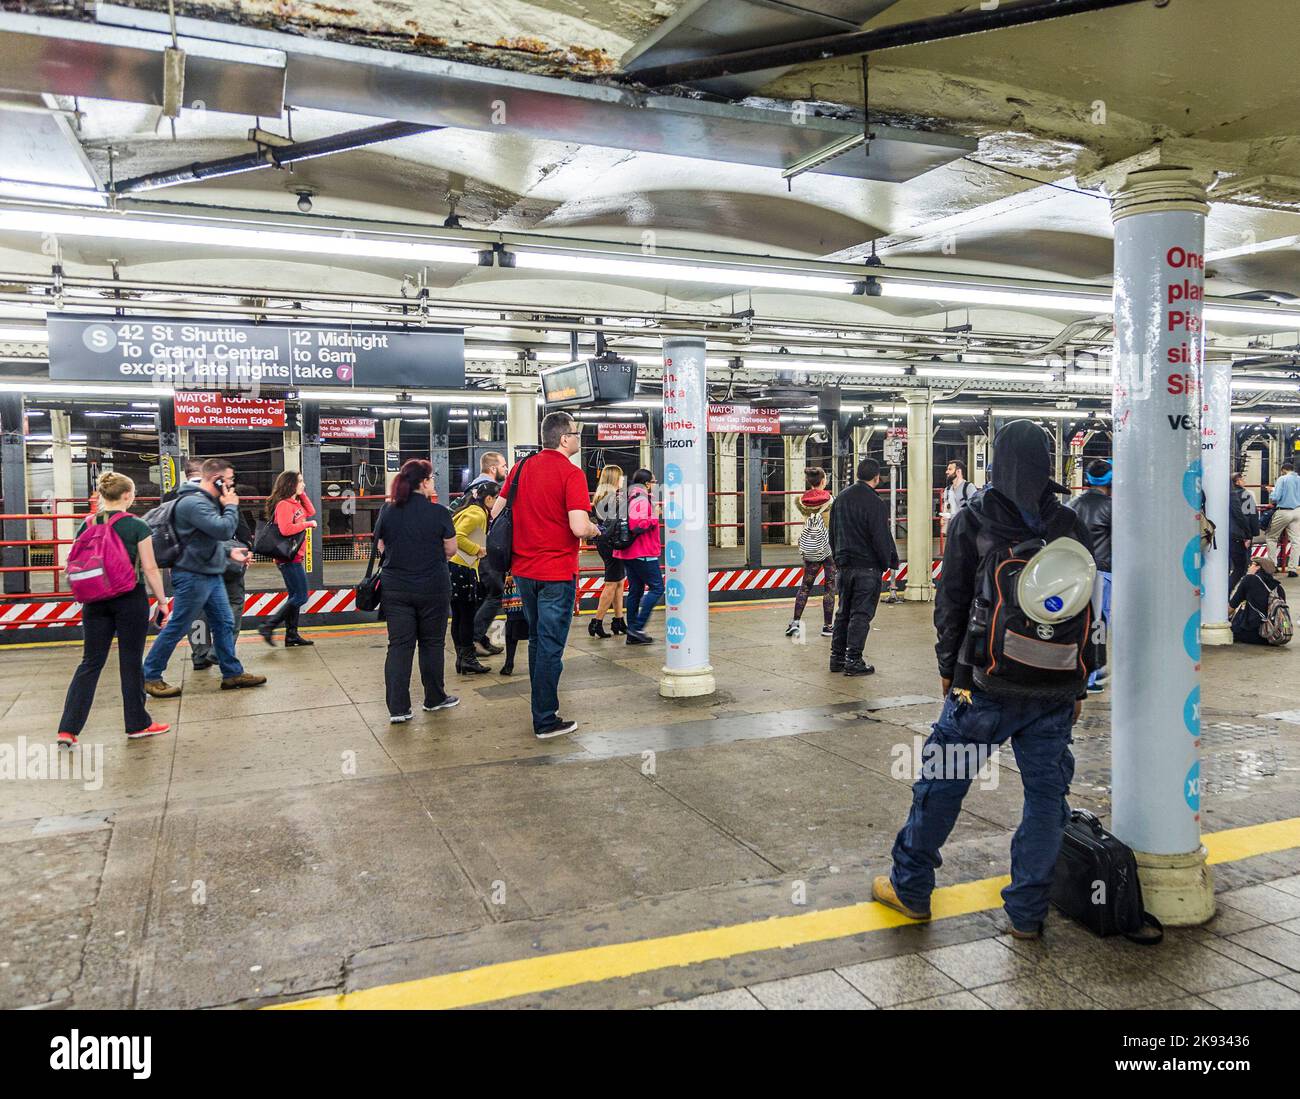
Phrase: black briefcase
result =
(1096, 883)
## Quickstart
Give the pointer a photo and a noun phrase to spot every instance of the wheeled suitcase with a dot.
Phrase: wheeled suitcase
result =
(1096, 883)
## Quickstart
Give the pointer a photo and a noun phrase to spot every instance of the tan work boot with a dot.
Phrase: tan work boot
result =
(160, 688)
(243, 679)
(882, 889)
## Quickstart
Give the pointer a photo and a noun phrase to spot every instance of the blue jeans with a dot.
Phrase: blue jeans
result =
(1101, 613)
(194, 592)
(1040, 738)
(548, 609)
(295, 582)
(645, 587)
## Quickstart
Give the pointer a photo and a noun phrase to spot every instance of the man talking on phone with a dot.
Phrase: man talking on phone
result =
(206, 517)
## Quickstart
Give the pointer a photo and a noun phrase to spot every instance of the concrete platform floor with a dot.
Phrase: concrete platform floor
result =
(288, 843)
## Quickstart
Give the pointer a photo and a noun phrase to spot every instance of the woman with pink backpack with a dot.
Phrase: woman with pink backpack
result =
(108, 565)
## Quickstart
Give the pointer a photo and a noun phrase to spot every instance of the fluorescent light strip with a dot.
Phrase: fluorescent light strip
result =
(984, 375)
(1264, 385)
(25, 335)
(981, 295)
(230, 236)
(587, 264)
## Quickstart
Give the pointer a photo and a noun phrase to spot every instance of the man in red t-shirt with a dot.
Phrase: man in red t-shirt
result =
(550, 513)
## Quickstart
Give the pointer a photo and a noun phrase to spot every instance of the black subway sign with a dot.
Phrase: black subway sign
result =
(221, 354)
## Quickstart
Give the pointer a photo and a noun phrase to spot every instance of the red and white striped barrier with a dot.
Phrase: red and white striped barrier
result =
(63, 612)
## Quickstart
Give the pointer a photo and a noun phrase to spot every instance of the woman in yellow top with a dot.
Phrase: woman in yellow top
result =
(471, 524)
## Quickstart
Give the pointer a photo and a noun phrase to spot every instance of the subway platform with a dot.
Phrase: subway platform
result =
(287, 847)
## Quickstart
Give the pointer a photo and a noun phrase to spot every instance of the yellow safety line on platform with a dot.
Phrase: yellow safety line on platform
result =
(529, 976)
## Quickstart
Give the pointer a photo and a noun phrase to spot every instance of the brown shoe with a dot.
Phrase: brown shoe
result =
(243, 679)
(160, 688)
(1025, 936)
(882, 889)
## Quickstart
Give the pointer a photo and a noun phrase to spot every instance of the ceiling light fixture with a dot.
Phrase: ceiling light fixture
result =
(222, 235)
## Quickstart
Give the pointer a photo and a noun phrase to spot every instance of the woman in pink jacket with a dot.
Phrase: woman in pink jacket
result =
(645, 579)
(290, 510)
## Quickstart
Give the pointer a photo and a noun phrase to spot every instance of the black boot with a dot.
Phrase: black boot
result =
(467, 662)
(596, 627)
(292, 637)
(618, 626)
(486, 648)
(268, 630)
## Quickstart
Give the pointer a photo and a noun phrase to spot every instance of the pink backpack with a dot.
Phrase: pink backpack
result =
(98, 565)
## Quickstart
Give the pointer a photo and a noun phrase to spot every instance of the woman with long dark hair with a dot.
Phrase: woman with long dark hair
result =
(471, 524)
(291, 511)
(645, 579)
(415, 538)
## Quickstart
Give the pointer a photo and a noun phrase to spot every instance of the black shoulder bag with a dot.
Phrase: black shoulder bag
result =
(500, 539)
(368, 593)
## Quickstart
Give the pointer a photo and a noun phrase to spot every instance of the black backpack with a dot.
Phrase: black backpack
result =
(501, 535)
(1012, 655)
(615, 532)
(167, 544)
(1096, 883)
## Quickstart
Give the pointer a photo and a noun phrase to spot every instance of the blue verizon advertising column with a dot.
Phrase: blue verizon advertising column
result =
(687, 672)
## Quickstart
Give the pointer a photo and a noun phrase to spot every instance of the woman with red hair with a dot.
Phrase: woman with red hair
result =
(415, 538)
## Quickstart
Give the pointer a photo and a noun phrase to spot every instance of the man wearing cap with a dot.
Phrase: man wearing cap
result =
(1094, 508)
(1017, 506)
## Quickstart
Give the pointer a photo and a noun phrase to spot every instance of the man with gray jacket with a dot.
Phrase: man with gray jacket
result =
(205, 517)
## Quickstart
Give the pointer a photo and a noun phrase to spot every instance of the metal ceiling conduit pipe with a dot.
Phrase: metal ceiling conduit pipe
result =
(747, 327)
(1016, 13)
(270, 156)
(917, 350)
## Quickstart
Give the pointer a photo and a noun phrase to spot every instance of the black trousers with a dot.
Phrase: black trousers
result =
(1238, 562)
(859, 593)
(463, 624)
(491, 605)
(127, 618)
(414, 619)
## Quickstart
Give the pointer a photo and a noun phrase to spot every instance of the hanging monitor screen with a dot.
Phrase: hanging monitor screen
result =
(606, 379)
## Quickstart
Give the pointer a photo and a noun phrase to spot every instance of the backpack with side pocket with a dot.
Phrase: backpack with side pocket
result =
(1013, 656)
(1276, 628)
(99, 566)
(814, 540)
(167, 544)
(615, 529)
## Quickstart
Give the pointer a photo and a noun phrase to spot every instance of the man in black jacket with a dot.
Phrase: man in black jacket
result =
(1018, 505)
(863, 548)
(1243, 528)
(1094, 508)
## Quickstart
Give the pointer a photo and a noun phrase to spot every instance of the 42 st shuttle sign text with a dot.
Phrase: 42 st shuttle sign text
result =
(243, 356)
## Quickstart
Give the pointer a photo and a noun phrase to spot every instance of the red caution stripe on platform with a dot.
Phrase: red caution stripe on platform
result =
(55, 612)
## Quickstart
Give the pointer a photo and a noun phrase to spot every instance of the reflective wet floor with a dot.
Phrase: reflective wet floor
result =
(288, 844)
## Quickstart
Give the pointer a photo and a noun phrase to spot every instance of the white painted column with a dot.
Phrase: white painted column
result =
(686, 672)
(920, 497)
(521, 415)
(1216, 459)
(1159, 217)
(392, 448)
(61, 453)
(293, 449)
(796, 462)
(726, 480)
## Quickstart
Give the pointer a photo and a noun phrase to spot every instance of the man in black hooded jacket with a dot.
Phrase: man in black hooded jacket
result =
(1018, 505)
